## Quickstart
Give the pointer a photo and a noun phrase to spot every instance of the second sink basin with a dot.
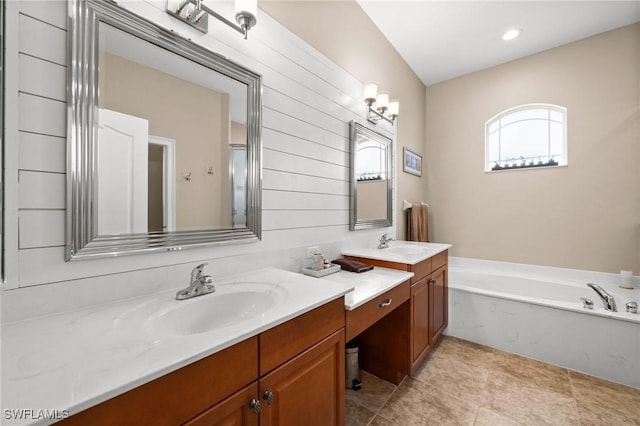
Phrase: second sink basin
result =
(407, 251)
(232, 303)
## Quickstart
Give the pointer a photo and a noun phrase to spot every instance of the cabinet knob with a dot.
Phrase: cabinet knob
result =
(268, 396)
(255, 405)
(386, 303)
(432, 281)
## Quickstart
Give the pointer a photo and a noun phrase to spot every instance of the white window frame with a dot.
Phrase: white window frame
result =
(489, 164)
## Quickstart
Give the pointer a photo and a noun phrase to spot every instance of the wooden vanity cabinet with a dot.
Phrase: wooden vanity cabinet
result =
(419, 326)
(233, 411)
(363, 317)
(439, 303)
(379, 329)
(309, 389)
(288, 375)
(428, 307)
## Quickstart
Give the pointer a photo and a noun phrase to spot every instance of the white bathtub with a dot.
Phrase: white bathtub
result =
(536, 312)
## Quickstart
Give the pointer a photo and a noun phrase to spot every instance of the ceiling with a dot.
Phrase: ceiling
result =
(441, 40)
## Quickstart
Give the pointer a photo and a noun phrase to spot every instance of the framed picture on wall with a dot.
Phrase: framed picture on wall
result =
(412, 162)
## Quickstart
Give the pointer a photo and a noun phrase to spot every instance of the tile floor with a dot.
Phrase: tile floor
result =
(464, 383)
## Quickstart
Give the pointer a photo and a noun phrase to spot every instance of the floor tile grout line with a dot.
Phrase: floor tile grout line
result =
(495, 369)
(379, 412)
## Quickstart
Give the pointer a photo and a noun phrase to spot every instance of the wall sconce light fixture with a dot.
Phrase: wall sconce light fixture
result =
(196, 14)
(380, 107)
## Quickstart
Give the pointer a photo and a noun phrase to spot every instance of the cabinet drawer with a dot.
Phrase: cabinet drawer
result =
(176, 397)
(439, 260)
(285, 341)
(421, 270)
(363, 317)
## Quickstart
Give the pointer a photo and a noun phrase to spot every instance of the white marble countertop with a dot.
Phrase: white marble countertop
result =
(407, 252)
(74, 360)
(368, 285)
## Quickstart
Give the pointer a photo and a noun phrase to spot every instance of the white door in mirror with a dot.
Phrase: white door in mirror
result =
(122, 173)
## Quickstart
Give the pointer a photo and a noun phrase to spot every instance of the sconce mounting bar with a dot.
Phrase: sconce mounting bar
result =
(374, 116)
(196, 14)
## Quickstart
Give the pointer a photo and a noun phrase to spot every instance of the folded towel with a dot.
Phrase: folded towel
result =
(352, 265)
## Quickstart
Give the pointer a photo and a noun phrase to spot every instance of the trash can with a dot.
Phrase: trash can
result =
(352, 373)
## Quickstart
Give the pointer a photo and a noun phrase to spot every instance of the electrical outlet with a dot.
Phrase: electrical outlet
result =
(312, 250)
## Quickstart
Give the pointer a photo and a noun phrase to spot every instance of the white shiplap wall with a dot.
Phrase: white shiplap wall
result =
(307, 105)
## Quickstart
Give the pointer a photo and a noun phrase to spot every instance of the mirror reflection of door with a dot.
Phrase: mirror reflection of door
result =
(238, 168)
(162, 184)
(122, 173)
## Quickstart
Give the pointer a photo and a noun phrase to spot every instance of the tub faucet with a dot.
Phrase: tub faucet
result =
(607, 299)
(384, 241)
(198, 285)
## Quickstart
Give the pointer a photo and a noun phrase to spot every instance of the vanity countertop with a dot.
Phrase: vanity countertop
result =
(368, 285)
(74, 360)
(407, 252)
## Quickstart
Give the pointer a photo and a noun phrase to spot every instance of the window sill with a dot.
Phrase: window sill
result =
(534, 167)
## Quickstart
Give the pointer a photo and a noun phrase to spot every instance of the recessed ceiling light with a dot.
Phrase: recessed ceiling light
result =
(511, 34)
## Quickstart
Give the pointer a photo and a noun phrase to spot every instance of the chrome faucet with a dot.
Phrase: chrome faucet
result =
(607, 299)
(384, 241)
(198, 286)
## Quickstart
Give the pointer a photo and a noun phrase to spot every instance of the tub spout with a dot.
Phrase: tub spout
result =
(607, 299)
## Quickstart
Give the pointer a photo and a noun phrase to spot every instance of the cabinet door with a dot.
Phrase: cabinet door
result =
(236, 410)
(419, 321)
(309, 389)
(439, 303)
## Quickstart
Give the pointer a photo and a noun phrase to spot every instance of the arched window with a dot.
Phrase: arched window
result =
(371, 161)
(533, 135)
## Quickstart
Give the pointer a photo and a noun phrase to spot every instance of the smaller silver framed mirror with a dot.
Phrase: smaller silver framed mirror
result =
(371, 179)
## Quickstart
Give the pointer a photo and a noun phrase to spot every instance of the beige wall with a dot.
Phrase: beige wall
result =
(370, 194)
(343, 32)
(198, 120)
(584, 216)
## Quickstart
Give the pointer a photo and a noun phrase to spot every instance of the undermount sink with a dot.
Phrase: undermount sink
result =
(232, 303)
(409, 251)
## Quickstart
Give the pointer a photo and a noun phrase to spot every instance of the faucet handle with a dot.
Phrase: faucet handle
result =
(587, 303)
(196, 273)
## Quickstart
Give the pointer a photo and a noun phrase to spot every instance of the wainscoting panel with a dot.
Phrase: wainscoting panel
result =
(308, 103)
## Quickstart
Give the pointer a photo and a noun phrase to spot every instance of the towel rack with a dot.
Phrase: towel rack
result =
(407, 205)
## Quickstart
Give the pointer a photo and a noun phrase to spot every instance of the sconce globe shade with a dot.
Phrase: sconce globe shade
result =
(394, 108)
(370, 92)
(246, 6)
(382, 101)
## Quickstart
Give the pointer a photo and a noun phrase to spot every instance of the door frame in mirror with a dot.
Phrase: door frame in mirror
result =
(357, 129)
(82, 241)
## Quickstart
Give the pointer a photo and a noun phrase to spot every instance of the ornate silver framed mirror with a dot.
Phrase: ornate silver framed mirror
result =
(164, 139)
(371, 178)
